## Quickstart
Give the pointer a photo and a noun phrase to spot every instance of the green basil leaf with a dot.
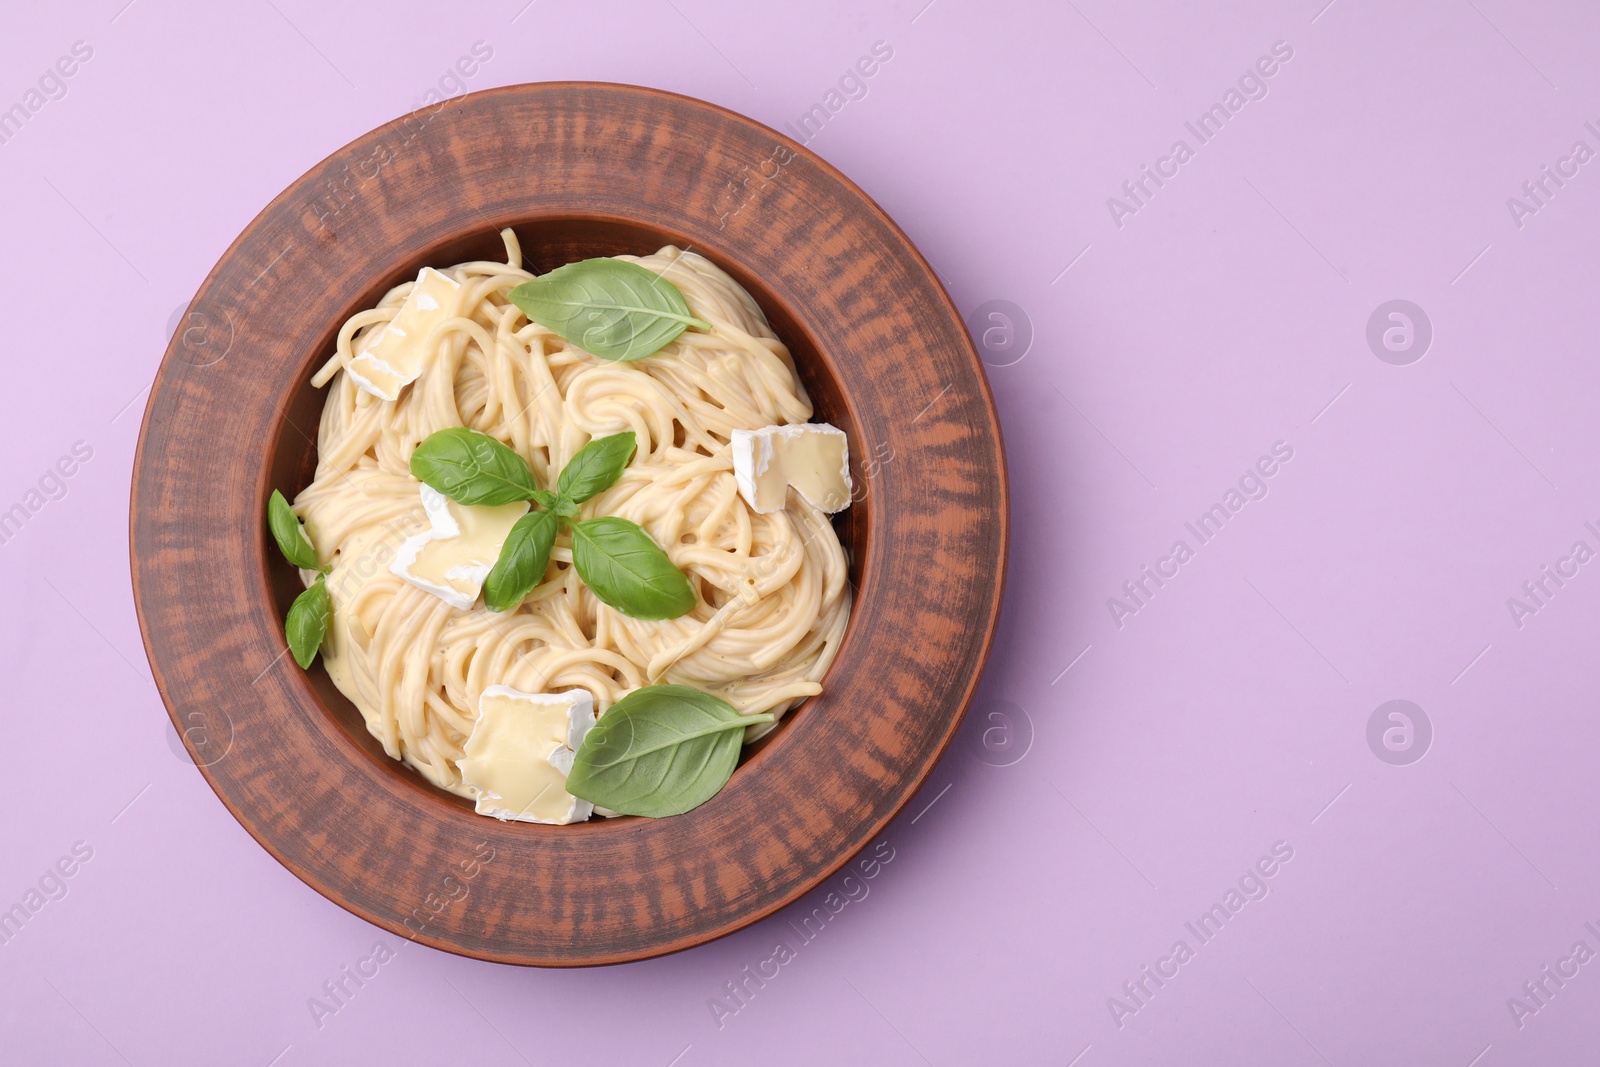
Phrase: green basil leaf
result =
(659, 751)
(522, 562)
(612, 308)
(596, 467)
(472, 468)
(307, 623)
(628, 570)
(549, 499)
(564, 507)
(293, 541)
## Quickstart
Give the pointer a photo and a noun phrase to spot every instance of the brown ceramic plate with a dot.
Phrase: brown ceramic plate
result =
(579, 170)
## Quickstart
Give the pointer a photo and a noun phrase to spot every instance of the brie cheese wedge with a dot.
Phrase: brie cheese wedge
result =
(458, 551)
(393, 356)
(520, 751)
(812, 458)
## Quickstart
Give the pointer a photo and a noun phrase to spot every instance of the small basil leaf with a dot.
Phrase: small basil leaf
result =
(628, 570)
(293, 541)
(564, 507)
(522, 562)
(307, 623)
(662, 750)
(546, 497)
(612, 308)
(596, 467)
(472, 468)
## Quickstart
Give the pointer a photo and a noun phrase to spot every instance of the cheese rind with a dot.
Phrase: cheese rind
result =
(520, 751)
(813, 458)
(394, 354)
(452, 559)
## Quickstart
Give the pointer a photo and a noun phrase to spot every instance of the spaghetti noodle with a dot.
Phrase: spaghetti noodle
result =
(772, 594)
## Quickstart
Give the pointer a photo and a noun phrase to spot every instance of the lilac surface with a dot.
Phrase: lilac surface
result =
(1134, 765)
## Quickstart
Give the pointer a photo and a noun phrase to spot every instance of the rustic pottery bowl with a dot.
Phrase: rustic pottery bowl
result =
(578, 170)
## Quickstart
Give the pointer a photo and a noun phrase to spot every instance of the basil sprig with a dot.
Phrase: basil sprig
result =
(473, 468)
(292, 539)
(522, 562)
(610, 307)
(596, 467)
(661, 750)
(616, 558)
(307, 622)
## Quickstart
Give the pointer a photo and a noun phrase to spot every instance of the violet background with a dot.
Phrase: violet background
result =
(1052, 857)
